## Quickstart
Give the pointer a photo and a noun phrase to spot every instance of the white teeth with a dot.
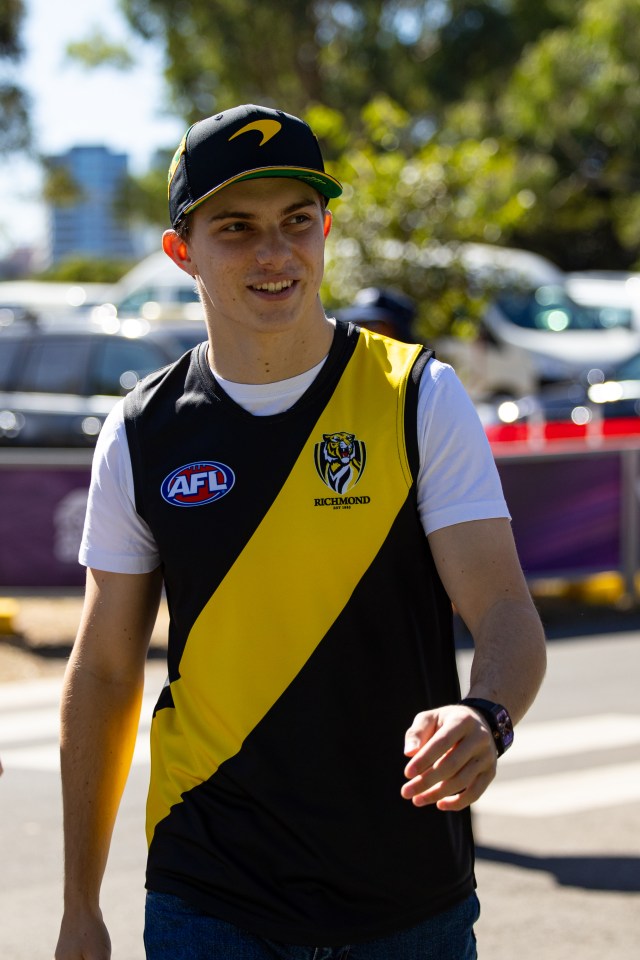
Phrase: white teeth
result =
(274, 287)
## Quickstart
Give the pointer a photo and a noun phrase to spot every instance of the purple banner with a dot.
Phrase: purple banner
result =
(566, 512)
(41, 522)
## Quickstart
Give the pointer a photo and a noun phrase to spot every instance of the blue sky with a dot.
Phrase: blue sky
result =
(72, 106)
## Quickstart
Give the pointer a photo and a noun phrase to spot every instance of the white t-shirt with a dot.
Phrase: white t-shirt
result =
(458, 480)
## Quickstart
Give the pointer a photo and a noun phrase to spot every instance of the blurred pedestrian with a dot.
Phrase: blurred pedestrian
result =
(313, 498)
(387, 312)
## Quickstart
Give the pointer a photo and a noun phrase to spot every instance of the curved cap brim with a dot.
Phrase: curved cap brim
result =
(325, 184)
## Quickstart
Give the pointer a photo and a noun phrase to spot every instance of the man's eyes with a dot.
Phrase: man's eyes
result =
(240, 226)
(235, 227)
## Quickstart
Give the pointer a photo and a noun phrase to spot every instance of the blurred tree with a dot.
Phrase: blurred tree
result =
(421, 53)
(402, 217)
(144, 198)
(59, 187)
(449, 121)
(86, 270)
(97, 50)
(574, 98)
(15, 133)
(286, 52)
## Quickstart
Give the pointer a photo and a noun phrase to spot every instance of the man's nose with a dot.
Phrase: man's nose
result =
(273, 247)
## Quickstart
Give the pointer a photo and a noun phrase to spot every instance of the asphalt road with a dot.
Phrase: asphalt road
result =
(558, 833)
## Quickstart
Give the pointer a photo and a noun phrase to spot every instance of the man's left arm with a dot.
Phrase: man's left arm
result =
(452, 750)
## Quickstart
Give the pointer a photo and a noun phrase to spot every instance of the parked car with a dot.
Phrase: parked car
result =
(31, 299)
(59, 382)
(592, 398)
(154, 289)
(612, 295)
(534, 331)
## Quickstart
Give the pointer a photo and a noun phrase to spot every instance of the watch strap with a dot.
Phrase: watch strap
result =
(497, 718)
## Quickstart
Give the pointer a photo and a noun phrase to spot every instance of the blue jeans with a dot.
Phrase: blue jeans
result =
(176, 931)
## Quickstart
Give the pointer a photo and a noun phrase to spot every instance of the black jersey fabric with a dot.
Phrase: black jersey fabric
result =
(308, 626)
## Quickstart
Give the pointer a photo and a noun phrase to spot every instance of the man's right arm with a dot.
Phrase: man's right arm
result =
(99, 721)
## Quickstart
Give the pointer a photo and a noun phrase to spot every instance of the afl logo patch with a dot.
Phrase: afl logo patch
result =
(197, 483)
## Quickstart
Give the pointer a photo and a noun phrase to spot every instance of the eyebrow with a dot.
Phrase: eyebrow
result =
(245, 215)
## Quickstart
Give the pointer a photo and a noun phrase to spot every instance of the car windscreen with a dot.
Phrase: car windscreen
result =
(136, 300)
(549, 308)
(629, 370)
(119, 362)
(55, 365)
(183, 340)
(8, 355)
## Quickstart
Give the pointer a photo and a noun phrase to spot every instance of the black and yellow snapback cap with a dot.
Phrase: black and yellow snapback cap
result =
(244, 143)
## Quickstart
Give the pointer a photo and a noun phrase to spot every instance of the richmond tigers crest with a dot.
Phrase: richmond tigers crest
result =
(340, 460)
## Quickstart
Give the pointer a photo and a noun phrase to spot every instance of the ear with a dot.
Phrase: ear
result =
(177, 250)
(328, 220)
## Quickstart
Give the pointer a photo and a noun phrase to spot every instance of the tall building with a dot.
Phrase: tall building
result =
(88, 226)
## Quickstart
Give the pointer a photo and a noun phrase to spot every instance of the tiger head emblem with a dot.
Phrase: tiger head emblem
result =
(340, 459)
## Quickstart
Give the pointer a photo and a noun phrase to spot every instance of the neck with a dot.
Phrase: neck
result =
(270, 357)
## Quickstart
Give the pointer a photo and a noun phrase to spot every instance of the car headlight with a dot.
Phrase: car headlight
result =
(11, 423)
(91, 426)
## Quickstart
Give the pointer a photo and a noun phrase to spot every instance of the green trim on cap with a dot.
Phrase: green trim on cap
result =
(322, 182)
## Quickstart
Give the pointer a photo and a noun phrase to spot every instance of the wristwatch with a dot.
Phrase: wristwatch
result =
(498, 720)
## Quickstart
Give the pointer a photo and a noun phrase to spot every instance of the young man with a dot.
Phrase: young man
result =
(313, 497)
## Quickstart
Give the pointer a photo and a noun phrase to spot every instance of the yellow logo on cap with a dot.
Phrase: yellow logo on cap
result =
(176, 158)
(268, 129)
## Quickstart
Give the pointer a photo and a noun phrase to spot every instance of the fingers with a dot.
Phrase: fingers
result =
(422, 729)
(453, 758)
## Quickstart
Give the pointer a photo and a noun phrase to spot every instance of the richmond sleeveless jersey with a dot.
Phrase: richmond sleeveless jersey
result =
(308, 627)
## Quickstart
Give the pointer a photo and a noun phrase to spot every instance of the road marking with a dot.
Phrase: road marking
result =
(25, 693)
(30, 719)
(596, 787)
(571, 736)
(563, 793)
(46, 757)
(29, 725)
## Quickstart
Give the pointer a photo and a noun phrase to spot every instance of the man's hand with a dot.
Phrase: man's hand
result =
(83, 937)
(453, 758)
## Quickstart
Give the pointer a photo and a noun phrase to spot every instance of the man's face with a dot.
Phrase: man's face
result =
(257, 251)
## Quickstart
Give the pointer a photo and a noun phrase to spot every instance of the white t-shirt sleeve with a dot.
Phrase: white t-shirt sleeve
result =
(458, 479)
(115, 537)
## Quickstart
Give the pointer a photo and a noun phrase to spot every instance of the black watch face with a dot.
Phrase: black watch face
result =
(505, 727)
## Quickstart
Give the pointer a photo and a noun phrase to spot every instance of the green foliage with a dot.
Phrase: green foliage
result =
(575, 98)
(96, 50)
(15, 132)
(59, 187)
(144, 198)
(295, 53)
(448, 121)
(402, 214)
(86, 270)
(11, 17)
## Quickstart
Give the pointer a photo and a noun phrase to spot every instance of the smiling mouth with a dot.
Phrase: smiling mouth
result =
(273, 287)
